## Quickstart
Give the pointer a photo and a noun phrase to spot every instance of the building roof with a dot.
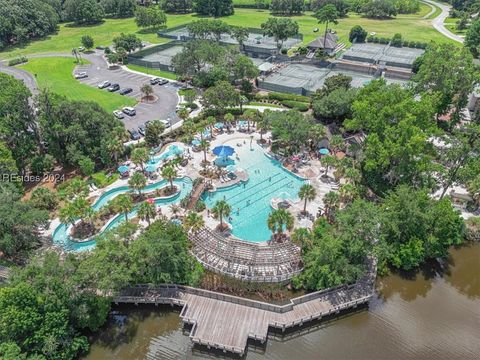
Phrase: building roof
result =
(330, 43)
(266, 66)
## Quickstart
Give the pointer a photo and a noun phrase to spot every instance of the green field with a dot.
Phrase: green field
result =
(411, 26)
(55, 73)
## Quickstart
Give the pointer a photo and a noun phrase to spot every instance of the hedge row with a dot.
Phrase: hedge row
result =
(283, 96)
(298, 105)
(18, 60)
(411, 44)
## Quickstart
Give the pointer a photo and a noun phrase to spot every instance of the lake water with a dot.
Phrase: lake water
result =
(434, 314)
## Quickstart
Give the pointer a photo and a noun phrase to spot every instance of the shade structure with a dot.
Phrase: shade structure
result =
(219, 125)
(242, 123)
(150, 168)
(123, 169)
(223, 151)
(206, 133)
(324, 151)
(195, 142)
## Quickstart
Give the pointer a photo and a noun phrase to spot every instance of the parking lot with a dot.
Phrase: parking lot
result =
(166, 95)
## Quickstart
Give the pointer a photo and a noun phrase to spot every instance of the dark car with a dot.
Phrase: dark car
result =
(154, 81)
(125, 91)
(163, 81)
(134, 134)
(113, 87)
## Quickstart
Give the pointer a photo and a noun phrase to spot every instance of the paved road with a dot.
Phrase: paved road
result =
(162, 108)
(20, 74)
(440, 19)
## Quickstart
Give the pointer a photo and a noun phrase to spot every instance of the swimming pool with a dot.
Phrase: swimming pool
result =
(172, 151)
(250, 201)
(61, 237)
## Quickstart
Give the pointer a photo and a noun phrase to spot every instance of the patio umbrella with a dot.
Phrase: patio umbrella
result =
(219, 125)
(150, 201)
(242, 123)
(195, 142)
(123, 169)
(323, 151)
(150, 168)
(223, 151)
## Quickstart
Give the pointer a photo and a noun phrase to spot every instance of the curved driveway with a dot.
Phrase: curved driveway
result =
(21, 74)
(440, 19)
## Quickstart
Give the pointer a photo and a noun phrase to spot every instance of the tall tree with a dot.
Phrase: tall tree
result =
(325, 15)
(137, 182)
(278, 220)
(307, 193)
(147, 211)
(280, 29)
(220, 210)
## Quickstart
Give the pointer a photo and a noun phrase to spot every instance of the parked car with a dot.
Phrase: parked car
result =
(166, 123)
(81, 75)
(118, 114)
(141, 129)
(129, 111)
(104, 84)
(154, 81)
(113, 87)
(163, 82)
(125, 91)
(134, 134)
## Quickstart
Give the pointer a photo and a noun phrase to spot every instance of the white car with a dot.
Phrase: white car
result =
(129, 110)
(81, 75)
(166, 123)
(118, 114)
(104, 84)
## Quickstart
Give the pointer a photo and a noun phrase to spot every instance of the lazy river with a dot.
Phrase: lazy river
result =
(62, 238)
(250, 201)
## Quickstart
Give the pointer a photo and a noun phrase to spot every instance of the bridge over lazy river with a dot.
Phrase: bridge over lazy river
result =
(226, 322)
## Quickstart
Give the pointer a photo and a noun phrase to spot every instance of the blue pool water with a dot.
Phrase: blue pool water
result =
(172, 151)
(60, 235)
(267, 180)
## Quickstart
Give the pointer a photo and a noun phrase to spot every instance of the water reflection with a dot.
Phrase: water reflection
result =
(432, 314)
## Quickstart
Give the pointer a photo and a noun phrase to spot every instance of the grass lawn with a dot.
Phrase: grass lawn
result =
(160, 73)
(411, 26)
(55, 73)
(436, 13)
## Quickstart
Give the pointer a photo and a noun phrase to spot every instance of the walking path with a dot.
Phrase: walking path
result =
(438, 22)
(227, 322)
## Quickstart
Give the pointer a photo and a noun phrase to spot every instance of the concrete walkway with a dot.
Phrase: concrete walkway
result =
(438, 22)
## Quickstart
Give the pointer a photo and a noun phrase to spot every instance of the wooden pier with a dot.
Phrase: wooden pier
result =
(226, 322)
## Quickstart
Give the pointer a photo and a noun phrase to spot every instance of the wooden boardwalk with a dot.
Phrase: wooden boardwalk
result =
(226, 322)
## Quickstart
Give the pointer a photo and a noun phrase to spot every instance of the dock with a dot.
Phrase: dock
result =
(226, 322)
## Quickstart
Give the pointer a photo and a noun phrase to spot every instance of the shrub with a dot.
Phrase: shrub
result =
(43, 198)
(397, 40)
(18, 60)
(200, 206)
(284, 51)
(300, 106)
(284, 96)
(101, 180)
(358, 34)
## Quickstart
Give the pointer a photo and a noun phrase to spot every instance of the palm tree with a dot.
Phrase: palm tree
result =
(316, 133)
(175, 209)
(68, 214)
(210, 121)
(302, 237)
(331, 202)
(147, 90)
(336, 143)
(137, 182)
(123, 204)
(183, 114)
(82, 209)
(278, 219)
(204, 145)
(114, 147)
(147, 211)
(140, 156)
(328, 161)
(307, 193)
(228, 118)
(169, 173)
(221, 209)
(348, 193)
(353, 175)
(193, 222)
(327, 14)
(250, 115)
